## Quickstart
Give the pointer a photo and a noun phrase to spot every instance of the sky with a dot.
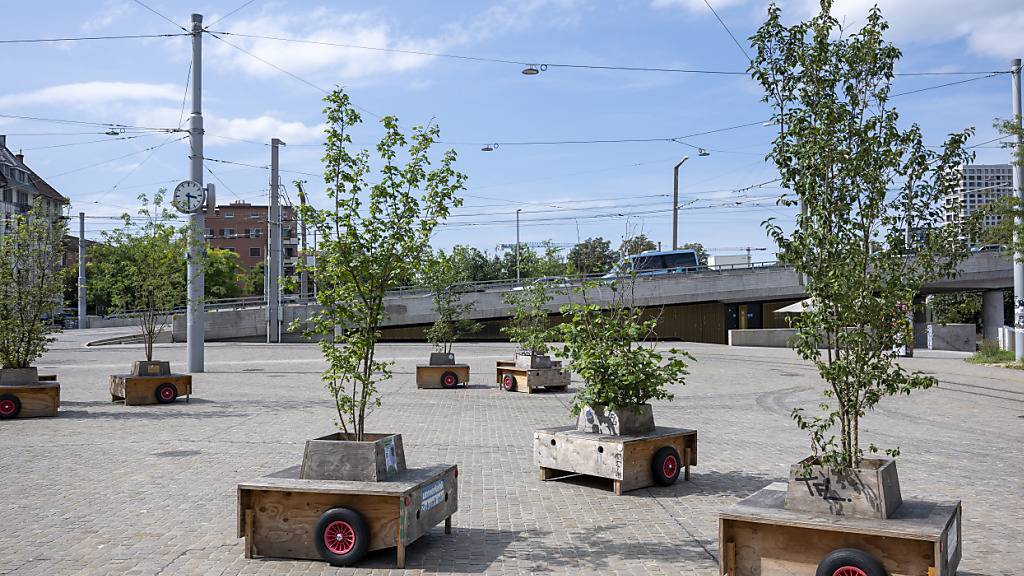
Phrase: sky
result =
(255, 89)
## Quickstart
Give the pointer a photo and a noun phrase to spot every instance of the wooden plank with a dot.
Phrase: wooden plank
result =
(249, 519)
(37, 400)
(429, 504)
(406, 481)
(783, 550)
(430, 376)
(638, 455)
(528, 380)
(915, 519)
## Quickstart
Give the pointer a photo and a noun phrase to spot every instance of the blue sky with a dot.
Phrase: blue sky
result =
(142, 82)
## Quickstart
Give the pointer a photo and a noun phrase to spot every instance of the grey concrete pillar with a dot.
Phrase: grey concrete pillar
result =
(991, 314)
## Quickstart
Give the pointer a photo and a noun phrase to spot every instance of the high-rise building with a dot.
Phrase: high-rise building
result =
(980, 184)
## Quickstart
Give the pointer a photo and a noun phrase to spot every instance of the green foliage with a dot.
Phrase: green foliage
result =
(30, 284)
(990, 353)
(140, 267)
(636, 244)
(611, 348)
(529, 323)
(1007, 232)
(374, 237)
(841, 150)
(253, 280)
(223, 274)
(477, 266)
(442, 278)
(956, 308)
(591, 256)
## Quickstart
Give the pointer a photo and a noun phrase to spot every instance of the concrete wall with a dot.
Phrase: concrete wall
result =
(958, 337)
(764, 338)
(117, 322)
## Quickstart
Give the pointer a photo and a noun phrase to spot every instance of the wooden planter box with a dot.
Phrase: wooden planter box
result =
(630, 461)
(332, 457)
(278, 515)
(759, 536)
(37, 400)
(515, 378)
(442, 375)
(870, 491)
(139, 390)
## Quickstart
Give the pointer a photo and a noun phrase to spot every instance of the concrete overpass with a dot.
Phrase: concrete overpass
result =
(708, 298)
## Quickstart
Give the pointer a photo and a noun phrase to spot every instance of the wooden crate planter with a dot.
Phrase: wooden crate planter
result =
(513, 378)
(442, 375)
(38, 400)
(631, 461)
(151, 382)
(284, 516)
(759, 536)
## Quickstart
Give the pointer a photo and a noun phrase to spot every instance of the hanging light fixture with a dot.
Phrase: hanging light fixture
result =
(531, 70)
(488, 148)
(112, 132)
(703, 152)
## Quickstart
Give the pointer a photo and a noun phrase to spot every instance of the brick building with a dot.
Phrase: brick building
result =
(242, 228)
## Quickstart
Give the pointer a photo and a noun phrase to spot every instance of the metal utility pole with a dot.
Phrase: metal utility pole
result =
(274, 234)
(518, 210)
(303, 274)
(675, 203)
(81, 271)
(1018, 193)
(196, 309)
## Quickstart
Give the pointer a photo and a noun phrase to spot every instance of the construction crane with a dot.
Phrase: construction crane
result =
(534, 245)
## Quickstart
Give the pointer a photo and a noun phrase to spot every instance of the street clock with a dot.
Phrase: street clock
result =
(188, 196)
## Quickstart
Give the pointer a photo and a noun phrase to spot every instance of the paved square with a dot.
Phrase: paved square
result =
(109, 489)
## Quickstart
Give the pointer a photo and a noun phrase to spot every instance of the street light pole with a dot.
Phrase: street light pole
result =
(675, 203)
(1018, 193)
(196, 310)
(518, 210)
(81, 271)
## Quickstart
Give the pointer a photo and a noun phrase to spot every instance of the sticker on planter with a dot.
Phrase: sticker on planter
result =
(432, 495)
(390, 457)
(951, 539)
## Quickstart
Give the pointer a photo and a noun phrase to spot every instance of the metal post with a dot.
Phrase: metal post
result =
(303, 274)
(675, 203)
(517, 244)
(274, 264)
(1018, 193)
(81, 271)
(196, 311)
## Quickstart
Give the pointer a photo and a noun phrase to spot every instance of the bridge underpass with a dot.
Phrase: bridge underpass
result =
(698, 306)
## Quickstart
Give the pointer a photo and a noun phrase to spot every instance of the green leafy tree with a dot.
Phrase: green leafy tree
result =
(840, 149)
(442, 278)
(702, 254)
(529, 323)
(224, 277)
(611, 346)
(254, 279)
(957, 308)
(374, 237)
(1009, 230)
(140, 266)
(591, 256)
(636, 244)
(30, 284)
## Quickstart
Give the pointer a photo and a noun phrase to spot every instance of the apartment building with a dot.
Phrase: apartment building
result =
(242, 228)
(980, 184)
(20, 186)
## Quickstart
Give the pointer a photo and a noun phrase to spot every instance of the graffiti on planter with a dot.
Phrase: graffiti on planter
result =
(822, 488)
(1018, 313)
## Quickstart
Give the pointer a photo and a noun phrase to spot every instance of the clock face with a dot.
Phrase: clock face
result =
(188, 196)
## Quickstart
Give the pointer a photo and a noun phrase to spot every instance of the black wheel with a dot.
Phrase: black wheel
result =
(666, 465)
(449, 379)
(10, 406)
(508, 381)
(166, 393)
(342, 536)
(850, 562)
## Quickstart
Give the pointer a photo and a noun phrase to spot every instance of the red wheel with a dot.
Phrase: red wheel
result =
(449, 379)
(509, 382)
(339, 537)
(665, 466)
(10, 406)
(342, 536)
(670, 466)
(166, 393)
(850, 562)
(849, 571)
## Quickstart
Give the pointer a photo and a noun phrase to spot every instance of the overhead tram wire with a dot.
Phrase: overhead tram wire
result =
(228, 15)
(86, 38)
(549, 64)
(144, 5)
(729, 32)
(132, 137)
(113, 125)
(947, 84)
(222, 182)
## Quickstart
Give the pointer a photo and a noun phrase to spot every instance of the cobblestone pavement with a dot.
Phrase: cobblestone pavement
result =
(109, 489)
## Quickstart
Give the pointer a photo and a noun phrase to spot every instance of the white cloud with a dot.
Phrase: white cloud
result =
(259, 128)
(82, 94)
(111, 12)
(370, 29)
(696, 5)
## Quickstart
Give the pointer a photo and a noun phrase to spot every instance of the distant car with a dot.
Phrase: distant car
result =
(988, 248)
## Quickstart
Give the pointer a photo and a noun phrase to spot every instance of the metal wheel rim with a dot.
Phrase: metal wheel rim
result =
(669, 467)
(7, 407)
(849, 571)
(340, 537)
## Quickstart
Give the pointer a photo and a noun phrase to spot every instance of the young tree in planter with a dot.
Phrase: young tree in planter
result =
(375, 237)
(611, 347)
(30, 285)
(529, 324)
(142, 267)
(841, 151)
(442, 277)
